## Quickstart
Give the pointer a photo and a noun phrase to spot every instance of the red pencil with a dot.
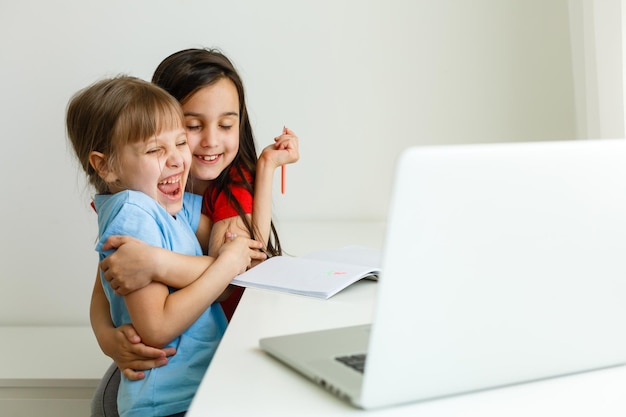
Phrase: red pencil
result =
(282, 170)
(282, 179)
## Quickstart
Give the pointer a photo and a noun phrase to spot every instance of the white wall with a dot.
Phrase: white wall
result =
(597, 55)
(357, 80)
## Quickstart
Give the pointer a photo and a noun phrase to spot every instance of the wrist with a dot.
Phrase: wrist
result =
(158, 259)
(229, 267)
(265, 164)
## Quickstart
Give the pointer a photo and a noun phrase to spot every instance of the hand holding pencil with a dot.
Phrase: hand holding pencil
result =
(283, 151)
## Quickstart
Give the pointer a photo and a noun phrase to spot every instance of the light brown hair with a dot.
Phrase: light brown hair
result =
(114, 112)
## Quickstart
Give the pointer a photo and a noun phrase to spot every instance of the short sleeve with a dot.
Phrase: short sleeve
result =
(223, 209)
(133, 220)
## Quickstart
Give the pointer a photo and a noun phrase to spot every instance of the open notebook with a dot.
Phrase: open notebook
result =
(320, 274)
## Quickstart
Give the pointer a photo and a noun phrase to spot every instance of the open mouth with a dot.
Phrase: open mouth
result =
(170, 186)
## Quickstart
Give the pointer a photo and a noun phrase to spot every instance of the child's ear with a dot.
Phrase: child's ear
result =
(99, 163)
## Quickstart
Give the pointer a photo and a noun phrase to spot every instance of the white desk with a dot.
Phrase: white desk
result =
(244, 381)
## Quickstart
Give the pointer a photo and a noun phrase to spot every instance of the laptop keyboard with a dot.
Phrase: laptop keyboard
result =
(356, 362)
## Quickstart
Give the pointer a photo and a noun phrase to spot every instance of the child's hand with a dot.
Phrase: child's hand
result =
(283, 151)
(133, 357)
(131, 266)
(240, 252)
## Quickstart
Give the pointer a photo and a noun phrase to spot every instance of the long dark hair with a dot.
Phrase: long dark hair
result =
(185, 72)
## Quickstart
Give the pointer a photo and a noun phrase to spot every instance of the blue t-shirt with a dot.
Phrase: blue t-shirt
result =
(169, 389)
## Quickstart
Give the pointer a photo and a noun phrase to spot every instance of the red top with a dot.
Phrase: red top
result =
(222, 209)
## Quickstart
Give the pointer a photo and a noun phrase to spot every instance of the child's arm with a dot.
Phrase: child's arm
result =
(219, 230)
(122, 344)
(135, 264)
(138, 264)
(283, 151)
(160, 316)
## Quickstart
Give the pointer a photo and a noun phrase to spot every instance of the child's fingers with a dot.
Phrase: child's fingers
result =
(286, 142)
(258, 255)
(287, 133)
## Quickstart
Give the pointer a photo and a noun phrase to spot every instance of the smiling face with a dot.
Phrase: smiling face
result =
(212, 122)
(158, 167)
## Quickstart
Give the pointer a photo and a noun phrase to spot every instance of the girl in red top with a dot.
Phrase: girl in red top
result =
(236, 187)
(237, 191)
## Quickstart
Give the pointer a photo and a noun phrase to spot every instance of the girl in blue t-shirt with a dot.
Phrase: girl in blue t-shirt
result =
(130, 139)
(237, 189)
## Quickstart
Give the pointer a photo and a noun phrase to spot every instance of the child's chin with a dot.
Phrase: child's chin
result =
(172, 206)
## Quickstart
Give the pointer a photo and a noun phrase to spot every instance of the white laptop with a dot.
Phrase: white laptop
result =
(502, 264)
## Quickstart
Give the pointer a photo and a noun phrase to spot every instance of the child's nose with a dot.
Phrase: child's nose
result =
(208, 138)
(175, 158)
